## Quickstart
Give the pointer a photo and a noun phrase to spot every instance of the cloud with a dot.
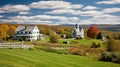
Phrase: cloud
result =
(90, 13)
(109, 2)
(102, 19)
(23, 12)
(1, 16)
(90, 8)
(54, 5)
(13, 8)
(111, 10)
(62, 11)
(46, 19)
(75, 12)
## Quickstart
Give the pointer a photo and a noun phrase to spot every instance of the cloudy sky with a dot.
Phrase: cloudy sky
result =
(60, 11)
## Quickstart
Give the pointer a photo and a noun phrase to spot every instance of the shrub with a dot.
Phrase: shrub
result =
(95, 45)
(54, 38)
(48, 49)
(112, 45)
(77, 50)
(110, 56)
(62, 51)
(106, 56)
(31, 48)
(116, 57)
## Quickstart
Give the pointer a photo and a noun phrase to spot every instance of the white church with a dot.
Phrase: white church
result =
(78, 32)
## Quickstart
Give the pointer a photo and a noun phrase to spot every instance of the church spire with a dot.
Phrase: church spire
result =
(77, 26)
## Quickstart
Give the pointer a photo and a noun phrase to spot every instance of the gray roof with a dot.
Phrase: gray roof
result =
(25, 28)
(27, 35)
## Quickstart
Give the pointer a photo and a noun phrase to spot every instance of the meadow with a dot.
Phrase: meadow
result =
(82, 41)
(39, 58)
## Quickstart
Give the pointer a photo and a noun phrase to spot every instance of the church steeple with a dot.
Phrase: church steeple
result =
(77, 26)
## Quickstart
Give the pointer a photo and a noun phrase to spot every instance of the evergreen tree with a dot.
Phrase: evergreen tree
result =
(99, 36)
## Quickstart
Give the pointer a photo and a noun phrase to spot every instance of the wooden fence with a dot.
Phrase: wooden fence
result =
(14, 45)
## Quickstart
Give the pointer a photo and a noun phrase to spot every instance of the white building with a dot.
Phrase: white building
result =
(77, 32)
(30, 33)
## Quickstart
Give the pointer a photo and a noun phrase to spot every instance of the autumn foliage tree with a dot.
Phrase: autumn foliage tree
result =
(53, 37)
(6, 30)
(92, 32)
(11, 30)
(3, 30)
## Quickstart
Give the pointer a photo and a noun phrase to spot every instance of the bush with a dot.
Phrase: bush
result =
(116, 57)
(95, 45)
(77, 50)
(106, 56)
(48, 49)
(53, 39)
(62, 51)
(112, 45)
(59, 51)
(31, 48)
(110, 56)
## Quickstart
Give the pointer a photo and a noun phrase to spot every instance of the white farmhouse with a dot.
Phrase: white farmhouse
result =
(77, 32)
(30, 33)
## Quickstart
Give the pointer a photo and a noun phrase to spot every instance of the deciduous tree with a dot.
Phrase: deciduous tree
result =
(92, 32)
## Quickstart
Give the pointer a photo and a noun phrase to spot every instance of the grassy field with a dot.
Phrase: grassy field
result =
(38, 58)
(82, 41)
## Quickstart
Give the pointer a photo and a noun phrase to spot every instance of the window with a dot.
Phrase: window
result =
(25, 32)
(29, 32)
(21, 32)
(38, 32)
(17, 32)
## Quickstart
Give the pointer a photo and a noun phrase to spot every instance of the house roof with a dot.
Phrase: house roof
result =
(25, 28)
(27, 35)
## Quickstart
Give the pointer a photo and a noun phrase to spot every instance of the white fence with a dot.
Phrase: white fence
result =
(14, 45)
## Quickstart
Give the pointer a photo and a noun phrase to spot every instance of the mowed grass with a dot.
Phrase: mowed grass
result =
(82, 41)
(38, 58)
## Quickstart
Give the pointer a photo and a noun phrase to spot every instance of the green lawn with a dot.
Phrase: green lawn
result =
(82, 41)
(47, 38)
(38, 58)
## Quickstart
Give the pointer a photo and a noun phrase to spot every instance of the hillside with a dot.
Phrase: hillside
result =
(114, 28)
(38, 58)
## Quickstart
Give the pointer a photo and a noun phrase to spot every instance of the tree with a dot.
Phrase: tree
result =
(11, 30)
(53, 38)
(112, 45)
(92, 32)
(3, 31)
(99, 36)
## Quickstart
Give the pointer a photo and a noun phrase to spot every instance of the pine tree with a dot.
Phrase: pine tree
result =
(99, 36)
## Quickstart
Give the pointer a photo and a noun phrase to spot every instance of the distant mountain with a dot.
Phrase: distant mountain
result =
(115, 28)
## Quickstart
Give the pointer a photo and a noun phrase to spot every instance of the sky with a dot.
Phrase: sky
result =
(55, 12)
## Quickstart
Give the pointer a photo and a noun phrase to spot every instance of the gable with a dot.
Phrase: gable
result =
(35, 28)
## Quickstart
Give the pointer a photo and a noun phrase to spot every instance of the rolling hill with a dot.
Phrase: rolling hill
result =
(38, 58)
